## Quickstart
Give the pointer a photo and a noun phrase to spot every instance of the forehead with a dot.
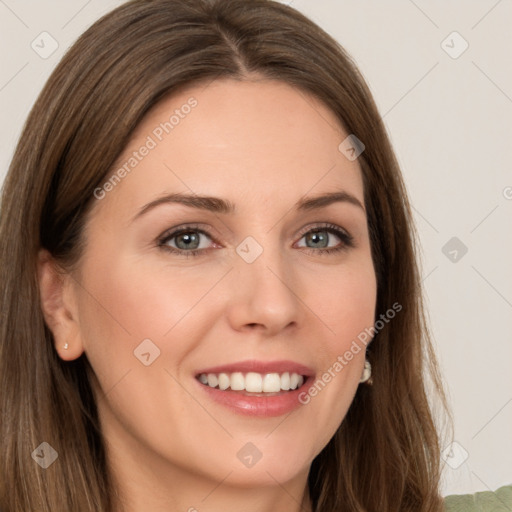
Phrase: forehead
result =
(249, 141)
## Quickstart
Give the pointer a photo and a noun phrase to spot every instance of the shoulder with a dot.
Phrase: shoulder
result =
(486, 501)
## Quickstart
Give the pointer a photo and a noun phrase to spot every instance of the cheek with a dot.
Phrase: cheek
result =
(126, 300)
(117, 310)
(130, 296)
(345, 302)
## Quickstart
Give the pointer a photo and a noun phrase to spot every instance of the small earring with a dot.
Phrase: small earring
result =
(367, 373)
(66, 346)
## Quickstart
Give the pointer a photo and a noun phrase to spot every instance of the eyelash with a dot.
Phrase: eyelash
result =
(347, 241)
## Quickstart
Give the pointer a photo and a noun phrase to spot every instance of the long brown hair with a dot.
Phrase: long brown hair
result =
(385, 455)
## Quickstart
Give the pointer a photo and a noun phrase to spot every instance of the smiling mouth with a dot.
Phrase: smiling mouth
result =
(252, 383)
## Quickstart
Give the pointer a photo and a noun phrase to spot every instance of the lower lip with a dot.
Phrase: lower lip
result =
(263, 406)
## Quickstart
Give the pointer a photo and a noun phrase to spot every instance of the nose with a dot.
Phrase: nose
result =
(263, 294)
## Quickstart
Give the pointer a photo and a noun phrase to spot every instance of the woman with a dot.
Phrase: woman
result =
(211, 300)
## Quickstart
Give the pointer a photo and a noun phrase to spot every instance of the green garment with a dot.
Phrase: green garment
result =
(486, 501)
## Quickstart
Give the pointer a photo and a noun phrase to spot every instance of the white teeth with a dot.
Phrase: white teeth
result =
(253, 382)
(212, 380)
(285, 381)
(271, 383)
(223, 381)
(237, 381)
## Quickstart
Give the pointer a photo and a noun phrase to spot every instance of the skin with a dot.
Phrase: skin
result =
(262, 145)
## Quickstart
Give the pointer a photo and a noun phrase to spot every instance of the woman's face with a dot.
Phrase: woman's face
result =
(251, 289)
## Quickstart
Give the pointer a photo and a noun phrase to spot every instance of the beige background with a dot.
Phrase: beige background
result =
(450, 122)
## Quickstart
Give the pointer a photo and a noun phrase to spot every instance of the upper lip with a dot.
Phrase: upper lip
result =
(263, 367)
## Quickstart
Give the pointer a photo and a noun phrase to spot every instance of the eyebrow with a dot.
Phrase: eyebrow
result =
(224, 206)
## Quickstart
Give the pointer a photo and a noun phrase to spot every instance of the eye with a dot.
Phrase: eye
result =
(320, 237)
(189, 240)
(186, 241)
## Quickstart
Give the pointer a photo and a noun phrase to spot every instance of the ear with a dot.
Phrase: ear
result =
(59, 306)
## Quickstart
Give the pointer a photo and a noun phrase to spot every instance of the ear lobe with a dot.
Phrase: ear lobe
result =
(58, 306)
